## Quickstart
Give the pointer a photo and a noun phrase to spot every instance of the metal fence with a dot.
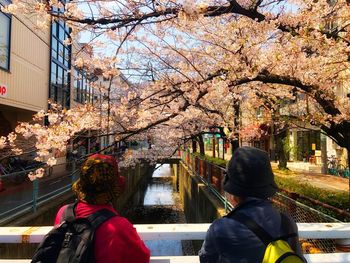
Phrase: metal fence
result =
(305, 214)
(213, 176)
(20, 195)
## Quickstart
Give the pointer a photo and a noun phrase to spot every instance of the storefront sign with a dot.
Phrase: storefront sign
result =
(313, 146)
(3, 91)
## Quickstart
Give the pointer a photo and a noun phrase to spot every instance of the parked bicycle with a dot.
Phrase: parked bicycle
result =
(344, 171)
(17, 169)
(336, 168)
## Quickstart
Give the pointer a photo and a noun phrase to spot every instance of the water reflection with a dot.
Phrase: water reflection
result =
(160, 192)
(165, 247)
(162, 171)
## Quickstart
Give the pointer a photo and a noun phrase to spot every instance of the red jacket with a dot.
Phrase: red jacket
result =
(116, 240)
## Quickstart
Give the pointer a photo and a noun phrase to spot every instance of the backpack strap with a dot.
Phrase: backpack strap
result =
(261, 233)
(95, 219)
(285, 223)
(68, 213)
(99, 217)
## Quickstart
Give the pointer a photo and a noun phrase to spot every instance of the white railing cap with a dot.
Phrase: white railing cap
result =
(311, 258)
(176, 232)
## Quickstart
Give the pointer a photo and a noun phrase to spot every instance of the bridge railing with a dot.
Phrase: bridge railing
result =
(338, 231)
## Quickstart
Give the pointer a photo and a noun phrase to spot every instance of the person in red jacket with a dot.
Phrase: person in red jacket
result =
(116, 240)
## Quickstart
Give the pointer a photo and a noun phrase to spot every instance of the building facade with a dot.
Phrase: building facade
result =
(24, 69)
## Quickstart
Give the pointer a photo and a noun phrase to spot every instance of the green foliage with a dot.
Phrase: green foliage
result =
(217, 161)
(286, 145)
(290, 149)
(285, 172)
(337, 199)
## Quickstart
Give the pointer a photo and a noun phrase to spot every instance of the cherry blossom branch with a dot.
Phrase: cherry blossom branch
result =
(313, 90)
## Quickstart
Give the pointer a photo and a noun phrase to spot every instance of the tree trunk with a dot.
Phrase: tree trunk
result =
(194, 146)
(235, 142)
(282, 155)
(201, 145)
(272, 140)
(214, 146)
(234, 145)
(324, 168)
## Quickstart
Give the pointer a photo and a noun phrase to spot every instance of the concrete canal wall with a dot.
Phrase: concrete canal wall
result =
(200, 204)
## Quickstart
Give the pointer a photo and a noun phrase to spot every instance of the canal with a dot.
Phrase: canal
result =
(160, 205)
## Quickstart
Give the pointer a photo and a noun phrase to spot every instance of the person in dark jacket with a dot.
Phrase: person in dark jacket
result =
(250, 181)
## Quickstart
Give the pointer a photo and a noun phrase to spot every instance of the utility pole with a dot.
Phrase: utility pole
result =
(235, 142)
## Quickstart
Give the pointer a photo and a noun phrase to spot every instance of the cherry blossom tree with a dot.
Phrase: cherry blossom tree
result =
(202, 59)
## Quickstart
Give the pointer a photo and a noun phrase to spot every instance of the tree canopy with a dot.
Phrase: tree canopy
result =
(191, 62)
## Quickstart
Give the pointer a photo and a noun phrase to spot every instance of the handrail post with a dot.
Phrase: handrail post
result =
(73, 171)
(35, 194)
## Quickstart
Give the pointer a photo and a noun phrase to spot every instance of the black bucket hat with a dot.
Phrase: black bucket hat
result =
(249, 174)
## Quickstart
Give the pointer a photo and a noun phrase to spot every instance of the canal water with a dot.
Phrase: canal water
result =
(160, 189)
(160, 205)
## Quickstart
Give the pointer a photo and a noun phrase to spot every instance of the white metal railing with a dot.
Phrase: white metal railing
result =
(338, 231)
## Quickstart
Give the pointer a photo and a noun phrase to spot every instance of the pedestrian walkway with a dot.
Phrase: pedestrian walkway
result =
(324, 181)
(56, 171)
(308, 173)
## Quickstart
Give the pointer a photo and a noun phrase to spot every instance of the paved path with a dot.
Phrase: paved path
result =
(324, 181)
(300, 172)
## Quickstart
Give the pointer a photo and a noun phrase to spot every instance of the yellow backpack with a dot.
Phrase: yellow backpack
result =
(277, 249)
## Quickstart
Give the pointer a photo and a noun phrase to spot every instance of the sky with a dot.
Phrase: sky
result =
(110, 49)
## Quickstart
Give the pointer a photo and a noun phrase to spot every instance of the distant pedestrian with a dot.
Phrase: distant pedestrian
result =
(231, 239)
(116, 240)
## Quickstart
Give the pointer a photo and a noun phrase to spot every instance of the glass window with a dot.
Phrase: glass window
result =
(61, 33)
(65, 79)
(59, 95)
(53, 92)
(54, 54)
(53, 73)
(83, 89)
(60, 61)
(66, 57)
(54, 43)
(78, 88)
(60, 53)
(59, 76)
(88, 92)
(5, 23)
(54, 28)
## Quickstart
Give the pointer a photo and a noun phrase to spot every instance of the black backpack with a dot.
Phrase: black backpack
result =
(72, 240)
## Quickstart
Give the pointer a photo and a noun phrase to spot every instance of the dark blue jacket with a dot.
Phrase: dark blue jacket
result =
(228, 241)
